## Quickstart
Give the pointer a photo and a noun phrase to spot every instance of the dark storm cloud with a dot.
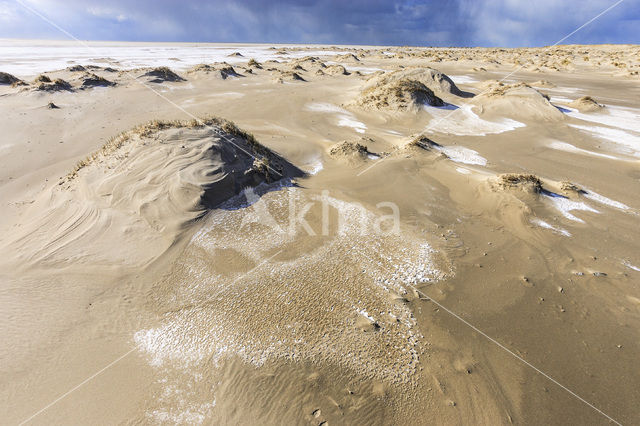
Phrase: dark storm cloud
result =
(410, 22)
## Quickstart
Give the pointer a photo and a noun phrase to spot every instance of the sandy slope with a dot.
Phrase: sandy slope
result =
(285, 302)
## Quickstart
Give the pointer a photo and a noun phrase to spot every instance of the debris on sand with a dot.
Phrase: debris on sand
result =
(525, 182)
(51, 105)
(586, 104)
(162, 74)
(93, 80)
(8, 79)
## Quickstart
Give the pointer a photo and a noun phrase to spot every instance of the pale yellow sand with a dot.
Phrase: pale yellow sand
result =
(216, 309)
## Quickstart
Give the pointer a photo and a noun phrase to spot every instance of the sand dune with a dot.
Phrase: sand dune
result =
(128, 202)
(434, 220)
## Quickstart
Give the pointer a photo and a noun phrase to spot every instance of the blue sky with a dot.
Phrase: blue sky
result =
(508, 23)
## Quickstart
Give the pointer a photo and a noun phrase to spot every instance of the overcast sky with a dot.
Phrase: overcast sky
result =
(506, 23)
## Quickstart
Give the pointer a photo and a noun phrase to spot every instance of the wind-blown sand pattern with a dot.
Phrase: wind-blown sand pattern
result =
(255, 273)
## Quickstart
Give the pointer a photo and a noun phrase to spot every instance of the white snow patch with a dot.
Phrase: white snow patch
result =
(630, 266)
(626, 142)
(563, 146)
(464, 122)
(315, 167)
(566, 206)
(345, 118)
(463, 171)
(541, 223)
(460, 154)
(604, 200)
(623, 126)
(463, 79)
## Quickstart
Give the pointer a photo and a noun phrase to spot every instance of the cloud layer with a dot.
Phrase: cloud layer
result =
(370, 22)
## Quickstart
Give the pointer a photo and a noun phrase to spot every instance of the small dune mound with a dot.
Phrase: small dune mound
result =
(8, 79)
(76, 68)
(222, 71)
(288, 76)
(436, 81)
(397, 95)
(254, 64)
(571, 188)
(51, 105)
(586, 104)
(44, 83)
(131, 200)
(517, 100)
(349, 150)
(162, 74)
(524, 182)
(420, 142)
(349, 57)
(92, 80)
(201, 68)
(309, 60)
(228, 71)
(336, 70)
(542, 83)
(230, 157)
(42, 79)
(236, 55)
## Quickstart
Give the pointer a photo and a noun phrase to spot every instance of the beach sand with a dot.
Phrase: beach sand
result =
(196, 235)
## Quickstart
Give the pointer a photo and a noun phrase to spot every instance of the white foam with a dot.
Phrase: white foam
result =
(464, 122)
(460, 154)
(541, 223)
(566, 206)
